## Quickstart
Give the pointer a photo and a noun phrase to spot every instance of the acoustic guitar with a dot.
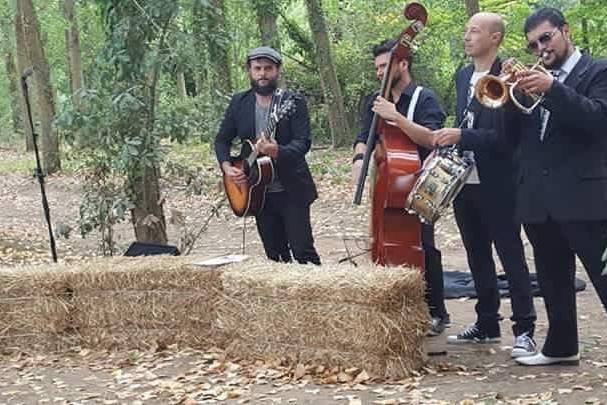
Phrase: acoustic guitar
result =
(248, 198)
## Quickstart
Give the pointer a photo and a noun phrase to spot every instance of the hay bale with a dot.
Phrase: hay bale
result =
(367, 317)
(130, 303)
(34, 307)
(109, 303)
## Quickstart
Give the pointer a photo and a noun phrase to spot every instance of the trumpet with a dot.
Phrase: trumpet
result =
(495, 91)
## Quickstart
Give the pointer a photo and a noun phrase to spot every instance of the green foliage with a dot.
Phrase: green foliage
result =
(187, 166)
(125, 42)
(192, 118)
(116, 127)
(330, 166)
(20, 165)
(104, 205)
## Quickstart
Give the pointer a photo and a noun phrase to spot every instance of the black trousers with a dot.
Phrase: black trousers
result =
(483, 223)
(433, 274)
(555, 245)
(284, 228)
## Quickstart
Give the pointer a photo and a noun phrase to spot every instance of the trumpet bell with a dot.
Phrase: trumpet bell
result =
(495, 91)
(491, 91)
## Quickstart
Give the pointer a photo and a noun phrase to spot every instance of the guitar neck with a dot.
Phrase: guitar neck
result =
(270, 128)
(268, 133)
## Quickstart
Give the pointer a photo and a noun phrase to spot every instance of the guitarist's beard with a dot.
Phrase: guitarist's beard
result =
(266, 89)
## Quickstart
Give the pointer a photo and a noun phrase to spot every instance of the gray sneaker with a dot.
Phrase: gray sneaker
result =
(524, 345)
(438, 326)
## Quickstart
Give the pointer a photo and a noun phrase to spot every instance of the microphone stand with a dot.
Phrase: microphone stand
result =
(38, 172)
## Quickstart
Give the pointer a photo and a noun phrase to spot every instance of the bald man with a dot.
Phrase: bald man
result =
(484, 209)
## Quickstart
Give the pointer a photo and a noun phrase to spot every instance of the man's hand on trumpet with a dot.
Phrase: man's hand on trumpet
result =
(534, 81)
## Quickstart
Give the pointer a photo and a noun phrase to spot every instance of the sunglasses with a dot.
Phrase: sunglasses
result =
(543, 40)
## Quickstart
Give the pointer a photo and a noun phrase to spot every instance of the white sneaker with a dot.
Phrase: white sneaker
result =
(524, 345)
(541, 360)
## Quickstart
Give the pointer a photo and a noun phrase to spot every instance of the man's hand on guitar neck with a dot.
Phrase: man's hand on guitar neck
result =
(234, 173)
(267, 147)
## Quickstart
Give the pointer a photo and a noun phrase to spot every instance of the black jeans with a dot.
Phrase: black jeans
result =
(482, 224)
(284, 228)
(433, 274)
(555, 245)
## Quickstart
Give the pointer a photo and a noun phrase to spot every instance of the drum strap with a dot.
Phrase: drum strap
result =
(413, 103)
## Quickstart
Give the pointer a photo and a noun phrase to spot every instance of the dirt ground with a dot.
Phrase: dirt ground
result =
(465, 375)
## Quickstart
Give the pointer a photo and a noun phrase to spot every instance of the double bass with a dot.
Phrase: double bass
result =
(395, 233)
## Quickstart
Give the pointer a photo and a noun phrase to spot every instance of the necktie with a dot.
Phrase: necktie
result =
(545, 114)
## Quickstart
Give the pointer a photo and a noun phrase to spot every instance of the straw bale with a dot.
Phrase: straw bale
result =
(340, 315)
(33, 309)
(33, 281)
(142, 273)
(109, 303)
(392, 367)
(134, 319)
(117, 338)
(141, 302)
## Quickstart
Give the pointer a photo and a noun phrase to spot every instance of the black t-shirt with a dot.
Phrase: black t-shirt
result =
(428, 113)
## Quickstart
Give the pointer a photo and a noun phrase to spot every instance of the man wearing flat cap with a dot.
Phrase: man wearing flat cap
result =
(284, 222)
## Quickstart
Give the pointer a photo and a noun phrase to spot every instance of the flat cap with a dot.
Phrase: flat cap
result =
(265, 52)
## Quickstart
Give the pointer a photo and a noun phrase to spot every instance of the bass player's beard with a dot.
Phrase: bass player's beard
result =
(395, 80)
(266, 89)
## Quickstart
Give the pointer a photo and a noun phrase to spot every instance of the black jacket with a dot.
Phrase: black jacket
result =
(564, 177)
(493, 152)
(292, 136)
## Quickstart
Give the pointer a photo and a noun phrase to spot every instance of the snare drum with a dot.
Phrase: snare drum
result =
(443, 175)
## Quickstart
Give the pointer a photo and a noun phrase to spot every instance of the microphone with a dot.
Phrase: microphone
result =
(27, 72)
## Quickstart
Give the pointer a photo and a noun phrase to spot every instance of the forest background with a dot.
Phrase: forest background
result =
(119, 85)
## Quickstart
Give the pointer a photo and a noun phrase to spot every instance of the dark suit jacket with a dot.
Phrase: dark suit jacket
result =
(564, 177)
(493, 152)
(292, 136)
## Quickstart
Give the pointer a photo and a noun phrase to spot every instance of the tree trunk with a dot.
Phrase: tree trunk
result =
(218, 48)
(267, 13)
(148, 215)
(22, 63)
(199, 44)
(212, 44)
(12, 75)
(44, 89)
(181, 89)
(338, 122)
(11, 72)
(72, 37)
(472, 7)
(585, 43)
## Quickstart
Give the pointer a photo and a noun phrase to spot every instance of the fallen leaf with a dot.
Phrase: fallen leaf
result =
(300, 371)
(361, 378)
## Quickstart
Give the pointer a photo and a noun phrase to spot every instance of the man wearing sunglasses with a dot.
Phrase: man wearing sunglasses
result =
(562, 179)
